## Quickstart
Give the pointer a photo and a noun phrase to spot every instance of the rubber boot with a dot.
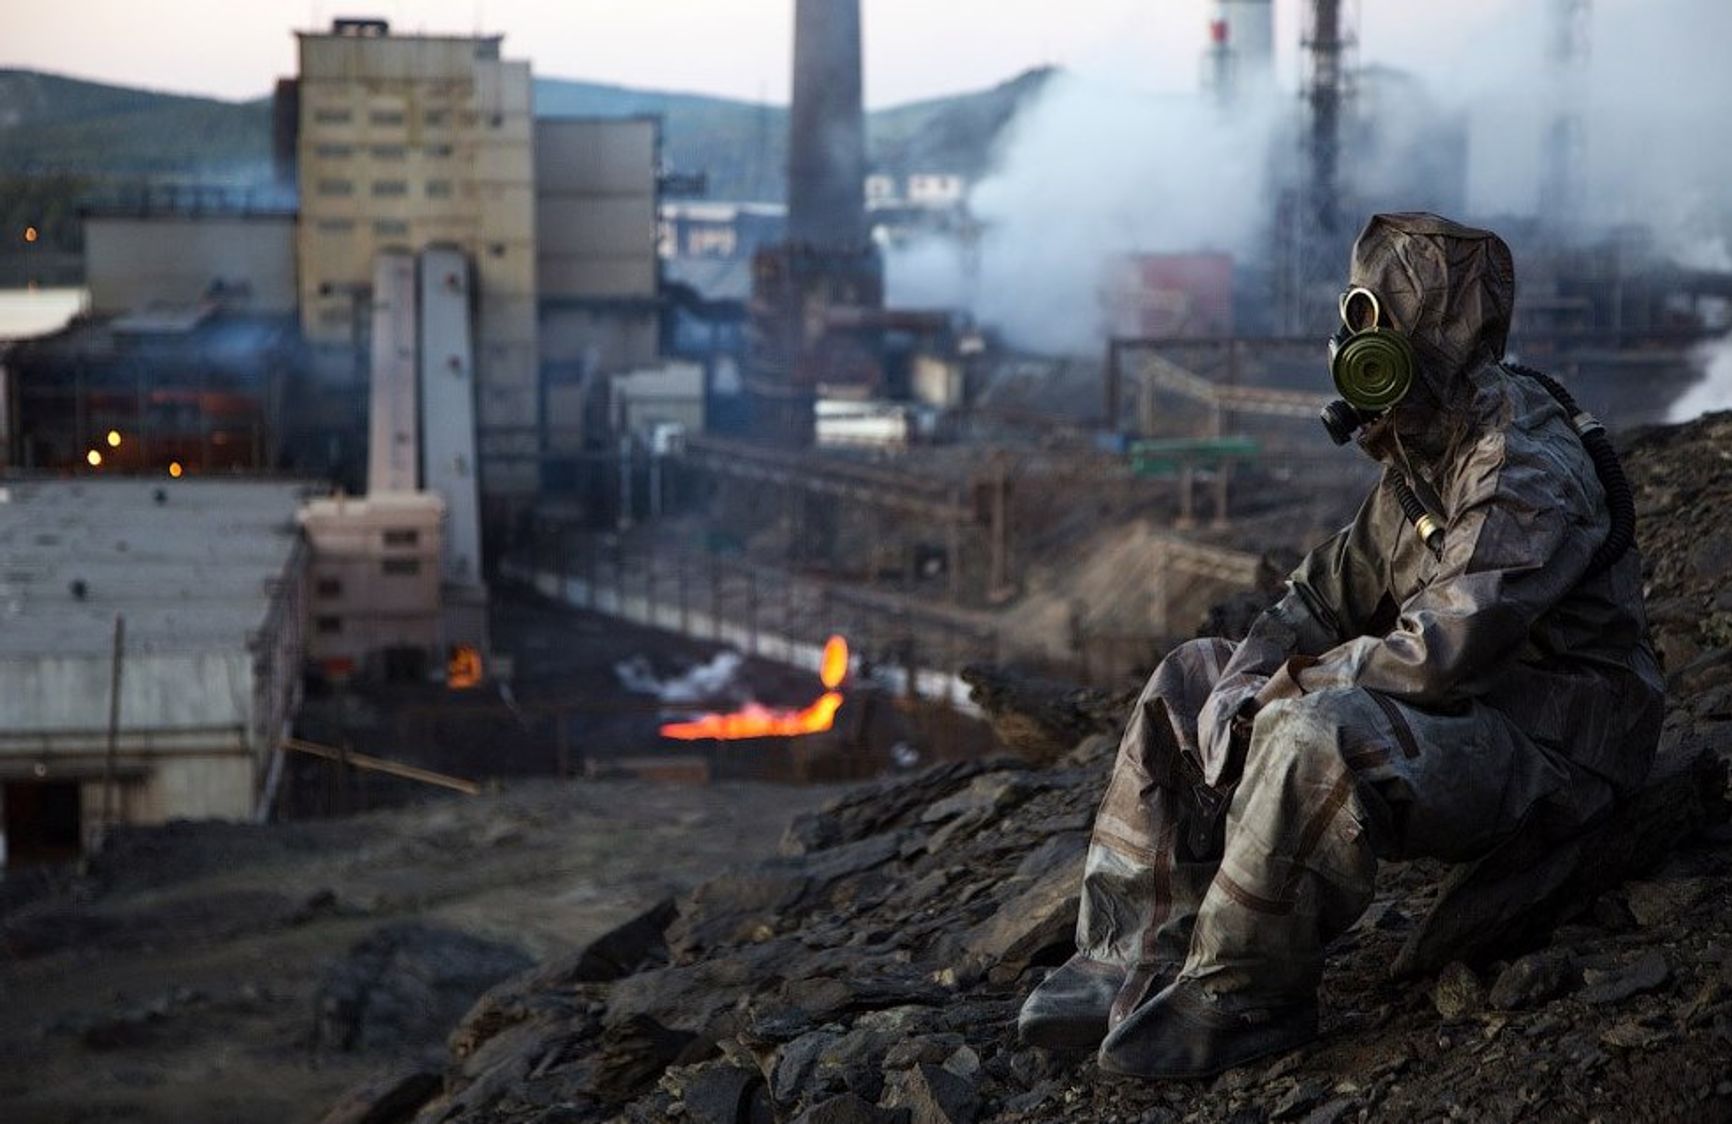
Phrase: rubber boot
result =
(1069, 1010)
(1187, 1032)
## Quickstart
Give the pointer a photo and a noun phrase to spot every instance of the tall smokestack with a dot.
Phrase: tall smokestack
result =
(1241, 46)
(827, 128)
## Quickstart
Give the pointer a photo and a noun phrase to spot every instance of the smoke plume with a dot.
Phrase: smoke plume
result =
(1093, 168)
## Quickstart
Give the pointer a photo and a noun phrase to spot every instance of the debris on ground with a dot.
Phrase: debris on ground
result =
(873, 970)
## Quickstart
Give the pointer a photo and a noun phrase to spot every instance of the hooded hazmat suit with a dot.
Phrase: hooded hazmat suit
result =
(1394, 703)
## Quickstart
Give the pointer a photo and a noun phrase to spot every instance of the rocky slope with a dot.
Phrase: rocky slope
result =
(872, 971)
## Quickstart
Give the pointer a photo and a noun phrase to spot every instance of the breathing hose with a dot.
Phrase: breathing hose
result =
(1620, 500)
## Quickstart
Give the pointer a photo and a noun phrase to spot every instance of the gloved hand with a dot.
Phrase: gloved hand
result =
(1223, 727)
(1284, 684)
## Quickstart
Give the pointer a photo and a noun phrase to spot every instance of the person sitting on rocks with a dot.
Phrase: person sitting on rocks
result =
(1470, 652)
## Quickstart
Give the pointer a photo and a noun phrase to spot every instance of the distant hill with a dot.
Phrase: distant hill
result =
(743, 146)
(53, 124)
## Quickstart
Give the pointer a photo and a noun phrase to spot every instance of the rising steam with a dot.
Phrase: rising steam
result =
(1092, 169)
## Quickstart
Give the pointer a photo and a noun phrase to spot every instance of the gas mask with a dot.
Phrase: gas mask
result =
(1373, 366)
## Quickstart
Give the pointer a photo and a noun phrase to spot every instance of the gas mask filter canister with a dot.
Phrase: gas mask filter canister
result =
(1372, 366)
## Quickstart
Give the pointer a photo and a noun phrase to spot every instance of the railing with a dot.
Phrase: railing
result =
(764, 611)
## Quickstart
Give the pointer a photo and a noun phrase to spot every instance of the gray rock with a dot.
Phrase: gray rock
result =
(1531, 980)
(845, 1109)
(1331, 1112)
(406, 985)
(748, 904)
(933, 1095)
(1041, 916)
(796, 1063)
(964, 1063)
(387, 1098)
(1299, 1100)
(1457, 992)
(931, 1049)
(1661, 901)
(716, 1092)
(989, 794)
(1647, 973)
(1634, 1036)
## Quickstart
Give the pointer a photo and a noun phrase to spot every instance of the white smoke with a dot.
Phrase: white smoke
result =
(1714, 391)
(1094, 168)
(702, 683)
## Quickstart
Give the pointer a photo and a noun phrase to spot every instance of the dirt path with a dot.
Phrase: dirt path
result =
(177, 982)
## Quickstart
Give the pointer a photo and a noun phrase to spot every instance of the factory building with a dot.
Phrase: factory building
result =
(163, 391)
(406, 142)
(170, 246)
(151, 639)
(598, 272)
(376, 597)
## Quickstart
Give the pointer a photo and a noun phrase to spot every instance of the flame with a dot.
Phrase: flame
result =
(463, 669)
(754, 721)
(833, 664)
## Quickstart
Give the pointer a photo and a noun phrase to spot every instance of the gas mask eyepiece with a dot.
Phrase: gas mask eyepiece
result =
(1372, 366)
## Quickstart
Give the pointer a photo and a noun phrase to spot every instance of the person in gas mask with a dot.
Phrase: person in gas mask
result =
(1470, 652)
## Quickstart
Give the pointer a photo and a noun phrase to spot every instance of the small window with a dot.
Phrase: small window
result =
(330, 587)
(391, 228)
(329, 625)
(388, 152)
(336, 226)
(336, 187)
(436, 117)
(333, 151)
(332, 116)
(390, 187)
(386, 117)
(438, 189)
(497, 249)
(400, 567)
(440, 151)
(402, 536)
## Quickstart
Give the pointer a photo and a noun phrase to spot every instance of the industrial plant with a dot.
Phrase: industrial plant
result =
(499, 349)
(475, 443)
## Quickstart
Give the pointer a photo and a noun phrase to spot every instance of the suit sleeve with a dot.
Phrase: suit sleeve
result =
(1512, 550)
(1332, 596)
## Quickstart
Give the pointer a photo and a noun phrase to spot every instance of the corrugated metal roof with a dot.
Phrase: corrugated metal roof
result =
(193, 573)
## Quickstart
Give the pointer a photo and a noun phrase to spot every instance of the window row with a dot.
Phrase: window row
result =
(337, 151)
(396, 118)
(383, 228)
(385, 189)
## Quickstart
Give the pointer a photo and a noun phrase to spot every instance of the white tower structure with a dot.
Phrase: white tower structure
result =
(392, 449)
(448, 408)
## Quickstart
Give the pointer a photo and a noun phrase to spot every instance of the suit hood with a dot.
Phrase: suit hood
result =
(1449, 288)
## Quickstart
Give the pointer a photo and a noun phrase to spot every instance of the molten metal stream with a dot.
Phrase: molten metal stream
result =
(754, 721)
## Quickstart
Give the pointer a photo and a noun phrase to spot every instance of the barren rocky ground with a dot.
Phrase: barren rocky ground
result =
(223, 973)
(872, 971)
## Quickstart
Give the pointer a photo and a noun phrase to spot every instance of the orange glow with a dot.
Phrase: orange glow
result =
(833, 665)
(754, 721)
(463, 670)
(174, 469)
(30, 234)
(93, 459)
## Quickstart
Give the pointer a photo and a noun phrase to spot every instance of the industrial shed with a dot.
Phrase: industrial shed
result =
(208, 581)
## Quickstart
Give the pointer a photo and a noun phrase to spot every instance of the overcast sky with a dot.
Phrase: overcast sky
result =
(739, 48)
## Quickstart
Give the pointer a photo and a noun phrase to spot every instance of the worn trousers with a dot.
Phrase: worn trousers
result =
(1243, 886)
